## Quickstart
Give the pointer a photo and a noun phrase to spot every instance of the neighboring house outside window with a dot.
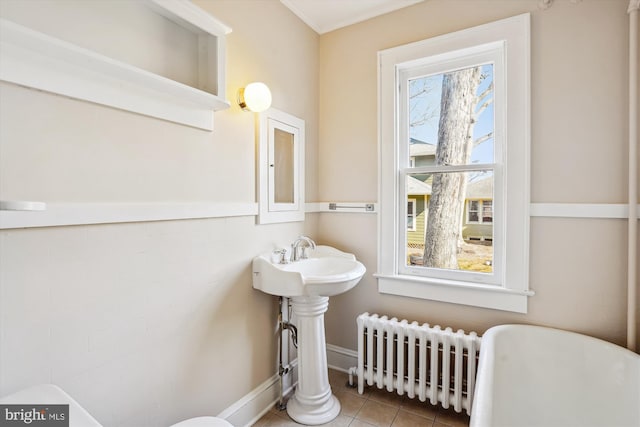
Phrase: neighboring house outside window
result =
(418, 191)
(479, 211)
(487, 211)
(411, 215)
(473, 211)
(459, 76)
(478, 220)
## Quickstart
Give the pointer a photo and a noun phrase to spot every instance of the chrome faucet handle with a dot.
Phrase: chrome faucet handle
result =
(283, 256)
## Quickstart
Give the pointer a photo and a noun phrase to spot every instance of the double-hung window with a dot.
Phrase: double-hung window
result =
(454, 115)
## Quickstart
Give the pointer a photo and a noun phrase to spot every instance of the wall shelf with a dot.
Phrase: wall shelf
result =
(39, 61)
(21, 205)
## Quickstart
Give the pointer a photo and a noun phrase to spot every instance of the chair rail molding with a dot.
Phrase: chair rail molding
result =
(65, 214)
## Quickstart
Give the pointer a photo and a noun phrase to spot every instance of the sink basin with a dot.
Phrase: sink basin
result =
(326, 272)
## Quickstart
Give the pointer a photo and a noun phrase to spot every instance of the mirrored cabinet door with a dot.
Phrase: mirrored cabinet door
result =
(280, 167)
(283, 148)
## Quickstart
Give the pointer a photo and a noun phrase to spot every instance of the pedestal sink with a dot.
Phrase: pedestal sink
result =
(309, 283)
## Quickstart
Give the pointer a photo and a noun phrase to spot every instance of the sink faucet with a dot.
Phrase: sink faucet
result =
(298, 248)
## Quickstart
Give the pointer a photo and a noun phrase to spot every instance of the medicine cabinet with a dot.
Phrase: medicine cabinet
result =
(280, 167)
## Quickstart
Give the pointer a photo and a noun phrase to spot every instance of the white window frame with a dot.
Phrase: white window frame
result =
(506, 44)
(488, 53)
(413, 202)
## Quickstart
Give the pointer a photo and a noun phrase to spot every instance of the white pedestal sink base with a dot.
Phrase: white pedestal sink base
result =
(314, 415)
(313, 402)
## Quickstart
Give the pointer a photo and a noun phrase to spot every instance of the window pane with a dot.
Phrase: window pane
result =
(411, 215)
(446, 236)
(473, 210)
(487, 211)
(442, 110)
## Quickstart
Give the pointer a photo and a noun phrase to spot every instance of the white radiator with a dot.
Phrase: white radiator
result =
(419, 360)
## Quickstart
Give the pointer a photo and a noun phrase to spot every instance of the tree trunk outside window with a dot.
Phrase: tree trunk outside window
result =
(455, 142)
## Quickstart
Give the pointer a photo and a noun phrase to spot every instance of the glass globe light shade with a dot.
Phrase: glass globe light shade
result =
(255, 97)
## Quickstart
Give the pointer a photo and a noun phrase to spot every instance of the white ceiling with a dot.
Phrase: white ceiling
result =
(328, 15)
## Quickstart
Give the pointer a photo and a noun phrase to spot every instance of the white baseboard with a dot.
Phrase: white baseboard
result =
(340, 358)
(254, 405)
(249, 409)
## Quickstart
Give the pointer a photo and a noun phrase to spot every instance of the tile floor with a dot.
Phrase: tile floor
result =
(375, 408)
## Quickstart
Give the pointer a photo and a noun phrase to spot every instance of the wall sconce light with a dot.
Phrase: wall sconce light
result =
(255, 97)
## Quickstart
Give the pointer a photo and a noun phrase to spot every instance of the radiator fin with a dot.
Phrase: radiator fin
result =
(408, 358)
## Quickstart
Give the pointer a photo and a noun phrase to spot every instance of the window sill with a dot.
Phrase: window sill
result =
(486, 296)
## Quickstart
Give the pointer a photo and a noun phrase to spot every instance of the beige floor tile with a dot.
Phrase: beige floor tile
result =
(349, 403)
(415, 406)
(281, 414)
(374, 408)
(451, 418)
(378, 414)
(339, 382)
(340, 421)
(354, 391)
(359, 423)
(273, 420)
(338, 379)
(264, 421)
(451, 423)
(407, 419)
(275, 410)
(384, 396)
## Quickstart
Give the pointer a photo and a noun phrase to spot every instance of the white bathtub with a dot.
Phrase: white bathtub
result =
(536, 376)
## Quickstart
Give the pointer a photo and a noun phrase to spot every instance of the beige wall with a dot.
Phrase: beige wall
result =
(146, 323)
(579, 155)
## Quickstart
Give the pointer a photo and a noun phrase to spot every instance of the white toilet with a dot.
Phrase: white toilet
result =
(78, 416)
(54, 395)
